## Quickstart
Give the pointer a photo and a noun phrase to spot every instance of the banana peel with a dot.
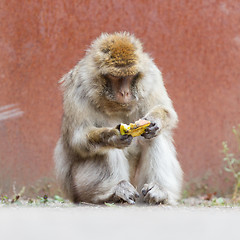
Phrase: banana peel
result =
(134, 129)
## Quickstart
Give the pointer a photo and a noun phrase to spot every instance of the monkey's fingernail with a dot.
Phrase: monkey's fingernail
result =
(130, 201)
(136, 195)
(144, 192)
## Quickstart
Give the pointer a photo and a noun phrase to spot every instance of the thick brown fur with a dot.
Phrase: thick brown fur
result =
(94, 163)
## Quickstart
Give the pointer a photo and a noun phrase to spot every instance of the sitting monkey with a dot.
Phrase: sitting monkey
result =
(116, 82)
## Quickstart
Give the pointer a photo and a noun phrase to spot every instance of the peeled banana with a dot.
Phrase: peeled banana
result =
(134, 129)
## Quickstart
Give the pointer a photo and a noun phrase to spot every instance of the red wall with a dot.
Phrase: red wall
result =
(195, 43)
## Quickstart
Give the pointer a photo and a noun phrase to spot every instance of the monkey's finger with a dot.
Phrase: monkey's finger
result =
(131, 194)
(146, 188)
(150, 132)
(146, 198)
(149, 197)
(136, 194)
(152, 129)
(154, 200)
(109, 133)
(127, 197)
(148, 135)
(127, 192)
(144, 192)
(155, 195)
(130, 201)
(133, 191)
(152, 124)
(118, 127)
(126, 139)
(114, 132)
(131, 198)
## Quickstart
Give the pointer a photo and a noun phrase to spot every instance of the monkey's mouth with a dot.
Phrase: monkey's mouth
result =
(112, 105)
(124, 102)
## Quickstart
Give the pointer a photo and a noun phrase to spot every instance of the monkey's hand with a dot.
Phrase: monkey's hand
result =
(120, 141)
(154, 194)
(158, 118)
(125, 192)
(162, 119)
(108, 137)
(134, 129)
(151, 131)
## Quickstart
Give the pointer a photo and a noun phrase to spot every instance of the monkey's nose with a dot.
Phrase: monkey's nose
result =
(124, 93)
(124, 96)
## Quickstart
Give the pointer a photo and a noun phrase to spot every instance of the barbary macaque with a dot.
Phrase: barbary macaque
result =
(116, 82)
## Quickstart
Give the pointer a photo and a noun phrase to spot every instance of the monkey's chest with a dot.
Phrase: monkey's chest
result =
(113, 121)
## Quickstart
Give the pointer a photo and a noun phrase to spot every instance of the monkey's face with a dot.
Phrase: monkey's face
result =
(116, 59)
(121, 89)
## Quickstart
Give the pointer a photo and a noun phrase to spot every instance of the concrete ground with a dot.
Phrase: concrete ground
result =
(119, 222)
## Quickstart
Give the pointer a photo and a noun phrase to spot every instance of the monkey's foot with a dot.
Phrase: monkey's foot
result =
(126, 192)
(153, 194)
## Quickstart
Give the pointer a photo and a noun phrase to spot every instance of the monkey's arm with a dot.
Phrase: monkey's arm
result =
(93, 140)
(108, 137)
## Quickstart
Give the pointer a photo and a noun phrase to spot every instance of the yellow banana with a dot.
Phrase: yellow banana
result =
(134, 129)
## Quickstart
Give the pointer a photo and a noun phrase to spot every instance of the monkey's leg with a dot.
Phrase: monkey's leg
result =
(160, 175)
(103, 178)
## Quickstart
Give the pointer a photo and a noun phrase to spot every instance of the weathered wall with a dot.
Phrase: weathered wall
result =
(195, 43)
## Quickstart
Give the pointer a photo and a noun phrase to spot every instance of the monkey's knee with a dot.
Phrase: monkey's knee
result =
(91, 192)
(121, 192)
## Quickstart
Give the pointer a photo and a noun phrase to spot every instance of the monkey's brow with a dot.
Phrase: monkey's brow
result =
(110, 77)
(136, 75)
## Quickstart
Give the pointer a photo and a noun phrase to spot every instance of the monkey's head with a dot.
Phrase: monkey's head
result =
(117, 60)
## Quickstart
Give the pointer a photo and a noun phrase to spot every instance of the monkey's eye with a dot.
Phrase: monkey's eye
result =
(136, 76)
(105, 76)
